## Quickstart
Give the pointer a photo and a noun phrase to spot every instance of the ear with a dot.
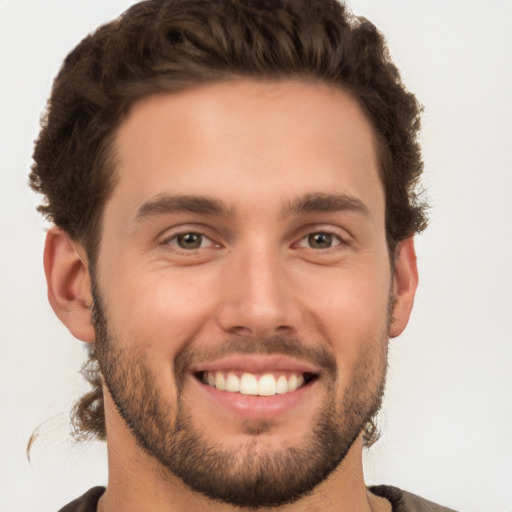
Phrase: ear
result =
(69, 284)
(405, 282)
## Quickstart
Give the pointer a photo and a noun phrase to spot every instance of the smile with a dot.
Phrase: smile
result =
(256, 384)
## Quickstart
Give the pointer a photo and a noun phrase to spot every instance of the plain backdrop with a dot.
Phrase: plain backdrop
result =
(447, 415)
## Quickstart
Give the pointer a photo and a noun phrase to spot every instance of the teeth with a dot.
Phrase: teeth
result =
(282, 385)
(220, 381)
(249, 384)
(292, 383)
(232, 383)
(267, 385)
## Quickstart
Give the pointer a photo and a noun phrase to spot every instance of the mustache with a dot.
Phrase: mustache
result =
(249, 345)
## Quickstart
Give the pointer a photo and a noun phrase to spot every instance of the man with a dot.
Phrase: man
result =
(233, 191)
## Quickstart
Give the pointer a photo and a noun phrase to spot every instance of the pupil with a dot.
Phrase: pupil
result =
(320, 240)
(189, 241)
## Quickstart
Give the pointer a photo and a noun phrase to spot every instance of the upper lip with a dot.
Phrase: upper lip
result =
(256, 363)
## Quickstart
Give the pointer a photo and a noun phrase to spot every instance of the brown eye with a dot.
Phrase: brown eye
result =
(320, 240)
(189, 241)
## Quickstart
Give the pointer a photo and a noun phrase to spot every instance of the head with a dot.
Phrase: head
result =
(185, 47)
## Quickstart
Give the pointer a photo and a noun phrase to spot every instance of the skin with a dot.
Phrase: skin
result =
(257, 147)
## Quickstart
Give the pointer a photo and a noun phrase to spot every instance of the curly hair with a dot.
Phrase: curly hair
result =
(170, 45)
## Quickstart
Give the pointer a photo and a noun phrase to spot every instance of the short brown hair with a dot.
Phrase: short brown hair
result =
(168, 45)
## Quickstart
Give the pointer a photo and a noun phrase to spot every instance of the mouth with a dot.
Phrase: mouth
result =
(256, 384)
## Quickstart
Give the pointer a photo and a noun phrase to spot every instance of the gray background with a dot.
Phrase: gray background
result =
(447, 416)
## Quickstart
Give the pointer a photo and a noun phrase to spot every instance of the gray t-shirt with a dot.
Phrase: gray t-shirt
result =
(402, 501)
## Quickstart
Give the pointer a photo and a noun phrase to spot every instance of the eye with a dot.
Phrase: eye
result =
(320, 240)
(190, 241)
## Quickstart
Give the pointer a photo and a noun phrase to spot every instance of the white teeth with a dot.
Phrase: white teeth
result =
(232, 383)
(220, 381)
(249, 384)
(267, 385)
(282, 385)
(292, 382)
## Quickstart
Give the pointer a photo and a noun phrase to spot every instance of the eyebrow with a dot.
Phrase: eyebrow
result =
(320, 202)
(164, 204)
(309, 203)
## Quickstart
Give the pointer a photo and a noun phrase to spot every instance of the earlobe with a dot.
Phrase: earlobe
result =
(405, 283)
(69, 285)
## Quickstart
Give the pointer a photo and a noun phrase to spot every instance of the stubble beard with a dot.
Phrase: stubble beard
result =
(250, 475)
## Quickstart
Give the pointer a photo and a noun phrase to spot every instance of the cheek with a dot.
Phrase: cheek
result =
(354, 323)
(159, 310)
(350, 310)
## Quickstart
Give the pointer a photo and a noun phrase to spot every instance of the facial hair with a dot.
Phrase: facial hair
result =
(245, 476)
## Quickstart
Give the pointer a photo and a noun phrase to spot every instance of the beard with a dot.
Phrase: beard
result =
(248, 475)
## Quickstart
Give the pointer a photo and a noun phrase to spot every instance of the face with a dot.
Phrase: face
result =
(243, 285)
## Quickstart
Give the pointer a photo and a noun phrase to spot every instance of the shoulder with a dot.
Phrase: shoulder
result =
(86, 503)
(403, 501)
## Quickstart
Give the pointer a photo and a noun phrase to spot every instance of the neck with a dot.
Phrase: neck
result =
(137, 482)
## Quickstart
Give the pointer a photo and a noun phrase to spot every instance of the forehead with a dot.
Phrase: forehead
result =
(236, 139)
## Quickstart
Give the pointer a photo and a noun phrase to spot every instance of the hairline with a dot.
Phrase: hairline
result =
(110, 163)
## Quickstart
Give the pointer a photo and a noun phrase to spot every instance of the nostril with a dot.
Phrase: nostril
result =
(240, 330)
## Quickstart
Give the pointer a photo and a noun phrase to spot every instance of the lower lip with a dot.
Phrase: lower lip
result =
(257, 407)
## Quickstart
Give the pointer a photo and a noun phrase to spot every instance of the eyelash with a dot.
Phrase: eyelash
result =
(337, 240)
(174, 238)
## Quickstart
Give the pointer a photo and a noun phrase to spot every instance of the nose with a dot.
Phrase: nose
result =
(259, 297)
